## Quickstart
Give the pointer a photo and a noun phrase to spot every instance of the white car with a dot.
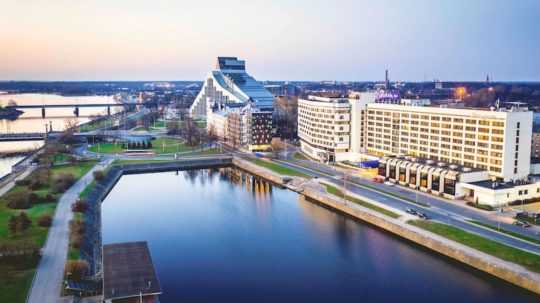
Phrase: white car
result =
(389, 183)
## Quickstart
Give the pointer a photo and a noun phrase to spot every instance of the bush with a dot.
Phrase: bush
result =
(45, 220)
(49, 198)
(76, 227)
(33, 198)
(18, 200)
(480, 206)
(99, 175)
(80, 206)
(62, 182)
(19, 223)
(23, 182)
(76, 270)
(39, 178)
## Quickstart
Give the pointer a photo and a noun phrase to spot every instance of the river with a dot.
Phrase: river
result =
(32, 121)
(218, 236)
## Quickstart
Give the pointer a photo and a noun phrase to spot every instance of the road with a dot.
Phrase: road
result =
(47, 282)
(439, 210)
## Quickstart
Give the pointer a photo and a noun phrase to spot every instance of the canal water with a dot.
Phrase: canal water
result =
(222, 236)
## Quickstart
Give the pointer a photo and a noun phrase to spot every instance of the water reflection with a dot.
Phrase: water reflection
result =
(223, 235)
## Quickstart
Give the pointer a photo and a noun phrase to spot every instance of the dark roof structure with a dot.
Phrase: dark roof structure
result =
(128, 271)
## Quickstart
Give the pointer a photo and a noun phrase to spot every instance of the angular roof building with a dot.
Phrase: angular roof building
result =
(229, 85)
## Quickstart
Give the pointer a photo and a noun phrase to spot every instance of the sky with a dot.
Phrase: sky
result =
(346, 40)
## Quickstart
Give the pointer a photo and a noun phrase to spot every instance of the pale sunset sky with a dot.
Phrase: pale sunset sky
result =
(280, 40)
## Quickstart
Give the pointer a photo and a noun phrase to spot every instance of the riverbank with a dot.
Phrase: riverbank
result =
(510, 272)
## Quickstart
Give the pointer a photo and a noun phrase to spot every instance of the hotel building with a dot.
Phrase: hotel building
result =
(498, 141)
(230, 89)
(332, 129)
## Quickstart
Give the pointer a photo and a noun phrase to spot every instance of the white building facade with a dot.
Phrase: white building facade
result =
(498, 141)
(333, 129)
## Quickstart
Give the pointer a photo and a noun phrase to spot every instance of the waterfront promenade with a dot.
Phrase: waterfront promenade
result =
(47, 283)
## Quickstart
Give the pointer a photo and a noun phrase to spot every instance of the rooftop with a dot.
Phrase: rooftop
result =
(128, 271)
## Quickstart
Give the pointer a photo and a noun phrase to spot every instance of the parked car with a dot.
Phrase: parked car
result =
(518, 223)
(422, 216)
(389, 183)
(411, 211)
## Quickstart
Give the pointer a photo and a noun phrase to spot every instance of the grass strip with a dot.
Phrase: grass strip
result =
(526, 259)
(337, 192)
(504, 231)
(280, 169)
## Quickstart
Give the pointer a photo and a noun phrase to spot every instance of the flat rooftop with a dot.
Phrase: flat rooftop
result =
(128, 271)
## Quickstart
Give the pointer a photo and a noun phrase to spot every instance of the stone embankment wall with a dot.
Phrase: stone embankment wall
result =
(507, 271)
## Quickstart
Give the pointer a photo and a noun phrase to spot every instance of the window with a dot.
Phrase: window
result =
(518, 125)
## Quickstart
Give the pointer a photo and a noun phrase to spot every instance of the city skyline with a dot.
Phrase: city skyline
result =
(316, 40)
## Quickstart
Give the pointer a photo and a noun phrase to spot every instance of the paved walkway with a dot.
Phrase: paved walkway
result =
(47, 281)
(11, 183)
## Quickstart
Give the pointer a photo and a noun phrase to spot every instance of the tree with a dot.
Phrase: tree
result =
(76, 270)
(62, 182)
(80, 206)
(45, 220)
(12, 224)
(24, 221)
(277, 146)
(99, 175)
(190, 132)
(18, 200)
(19, 223)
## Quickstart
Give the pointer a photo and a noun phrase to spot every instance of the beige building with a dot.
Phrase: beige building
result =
(496, 141)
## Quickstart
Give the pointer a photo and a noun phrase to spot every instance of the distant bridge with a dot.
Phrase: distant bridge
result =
(22, 137)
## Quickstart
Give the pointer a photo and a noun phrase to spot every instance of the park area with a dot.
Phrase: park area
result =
(157, 146)
(26, 213)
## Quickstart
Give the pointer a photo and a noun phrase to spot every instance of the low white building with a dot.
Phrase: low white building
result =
(500, 193)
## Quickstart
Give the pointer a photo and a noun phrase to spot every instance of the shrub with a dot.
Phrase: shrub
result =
(49, 198)
(76, 226)
(75, 270)
(480, 206)
(80, 206)
(99, 175)
(23, 182)
(62, 182)
(45, 220)
(33, 198)
(19, 223)
(18, 200)
(39, 178)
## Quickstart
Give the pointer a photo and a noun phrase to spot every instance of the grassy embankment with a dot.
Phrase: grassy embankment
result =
(529, 260)
(16, 273)
(337, 192)
(280, 169)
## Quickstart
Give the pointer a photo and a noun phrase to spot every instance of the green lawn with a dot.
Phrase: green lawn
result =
(16, 275)
(337, 192)
(504, 231)
(496, 249)
(107, 148)
(280, 169)
(169, 146)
